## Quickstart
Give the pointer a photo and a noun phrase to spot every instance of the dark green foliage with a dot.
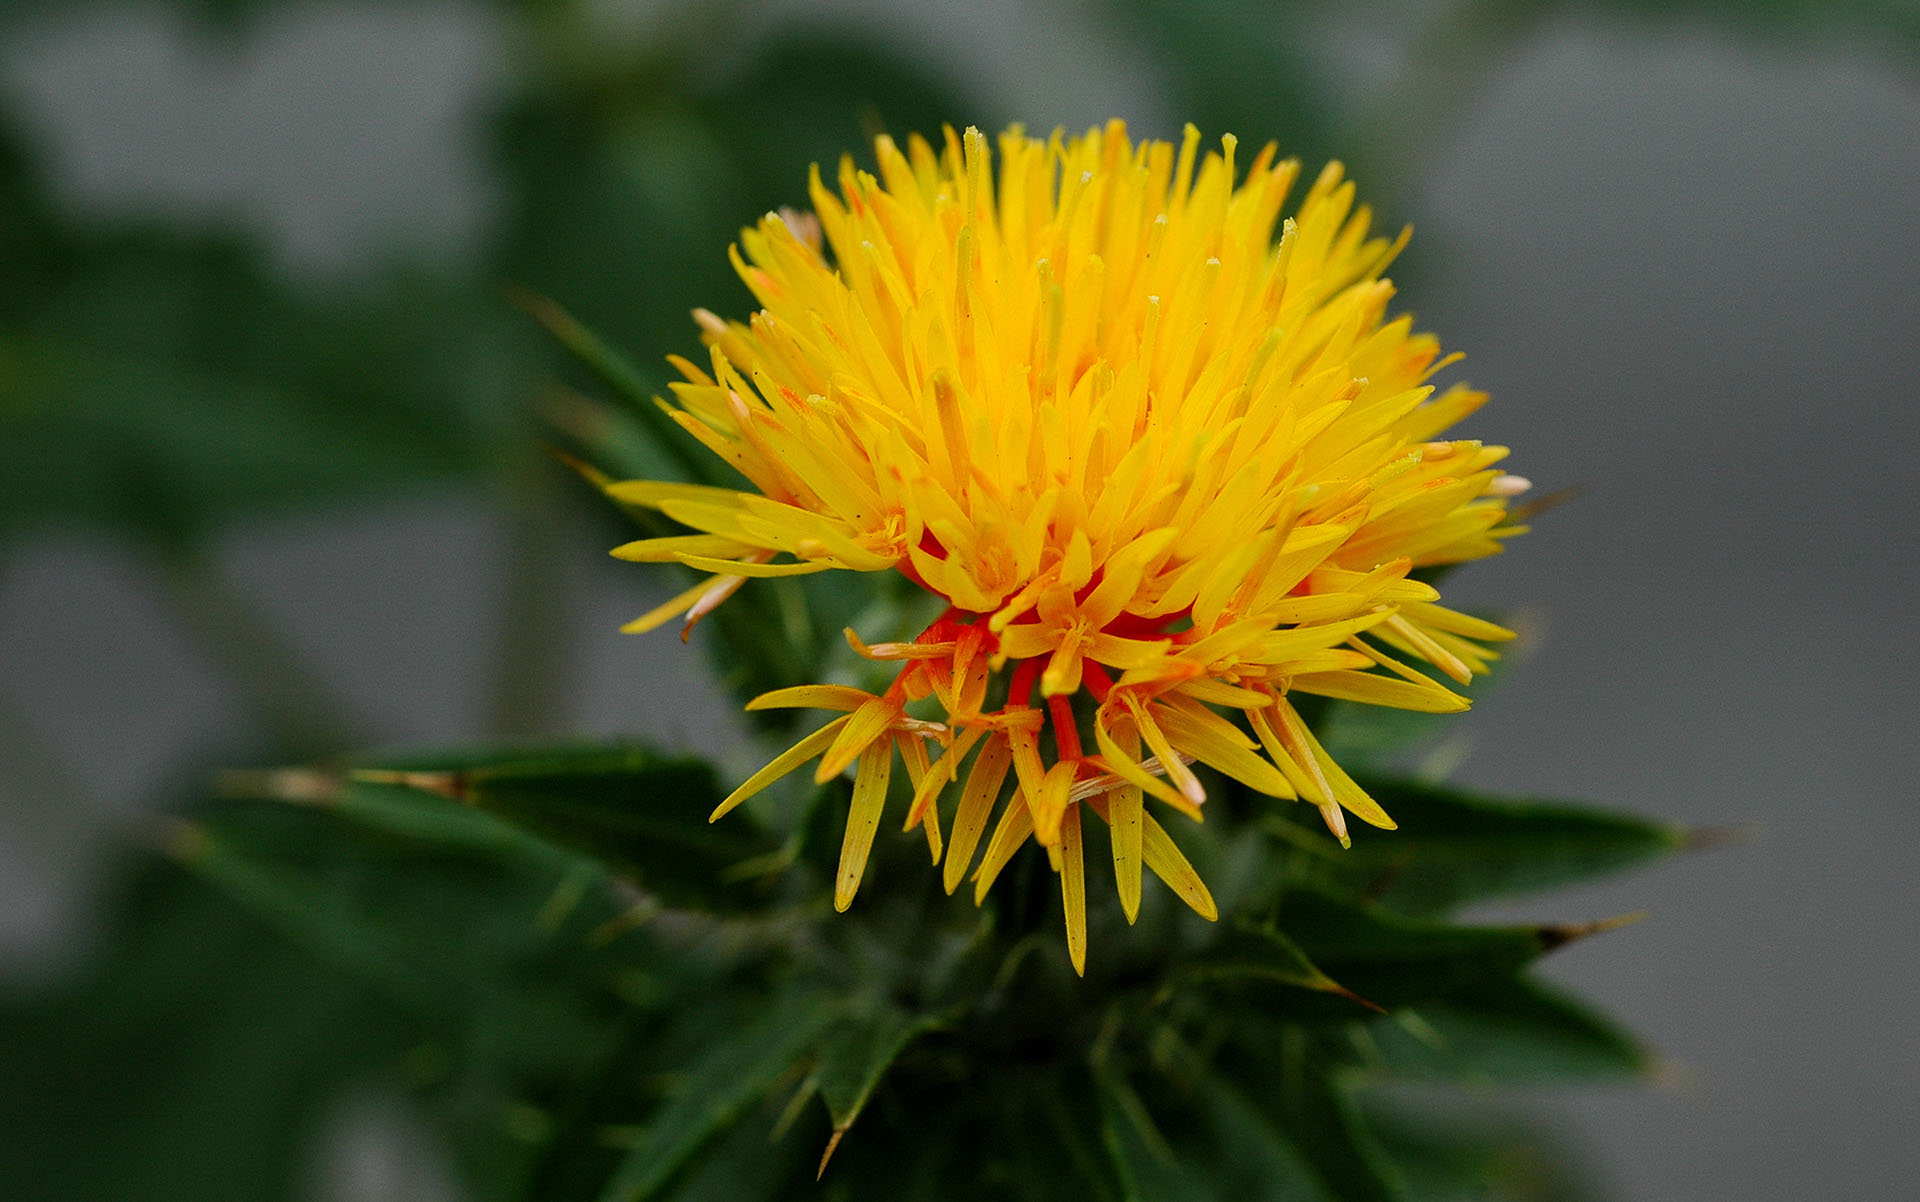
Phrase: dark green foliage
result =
(640, 813)
(724, 1080)
(162, 385)
(534, 945)
(195, 1065)
(1513, 1030)
(1454, 847)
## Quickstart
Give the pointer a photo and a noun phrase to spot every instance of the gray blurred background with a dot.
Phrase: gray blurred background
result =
(1681, 255)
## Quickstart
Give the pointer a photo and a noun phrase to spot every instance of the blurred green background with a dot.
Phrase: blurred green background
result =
(272, 480)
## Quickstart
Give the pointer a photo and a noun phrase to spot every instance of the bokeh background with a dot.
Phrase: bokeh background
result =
(271, 482)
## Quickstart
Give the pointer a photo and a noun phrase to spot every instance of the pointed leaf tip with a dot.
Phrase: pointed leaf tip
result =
(1560, 934)
(833, 1142)
(450, 785)
(1712, 838)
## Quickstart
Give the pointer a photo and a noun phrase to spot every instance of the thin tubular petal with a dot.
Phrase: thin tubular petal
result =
(747, 567)
(667, 611)
(1170, 866)
(976, 804)
(782, 764)
(1016, 825)
(863, 726)
(1178, 773)
(1073, 889)
(1126, 814)
(863, 819)
(1050, 804)
(1214, 741)
(812, 697)
(1372, 688)
(1123, 764)
(913, 753)
(943, 773)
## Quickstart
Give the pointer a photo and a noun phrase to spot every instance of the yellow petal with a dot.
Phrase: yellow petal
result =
(1170, 866)
(1437, 617)
(1123, 764)
(976, 804)
(1016, 825)
(812, 697)
(1178, 773)
(943, 773)
(1214, 741)
(1334, 786)
(913, 753)
(1373, 688)
(1049, 805)
(1025, 741)
(651, 493)
(662, 614)
(865, 725)
(741, 567)
(863, 819)
(1073, 889)
(1126, 815)
(668, 550)
(1430, 649)
(782, 764)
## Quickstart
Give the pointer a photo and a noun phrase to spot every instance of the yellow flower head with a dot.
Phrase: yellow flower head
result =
(1164, 465)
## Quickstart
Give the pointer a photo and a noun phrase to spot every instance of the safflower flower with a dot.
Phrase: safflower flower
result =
(1165, 468)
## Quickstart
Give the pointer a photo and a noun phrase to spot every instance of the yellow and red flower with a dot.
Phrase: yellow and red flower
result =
(1164, 467)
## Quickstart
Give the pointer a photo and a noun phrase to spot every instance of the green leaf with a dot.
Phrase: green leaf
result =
(1454, 846)
(1069, 1162)
(1321, 1125)
(857, 1054)
(1138, 1150)
(500, 953)
(745, 1163)
(630, 808)
(290, 952)
(1258, 956)
(1465, 1154)
(161, 385)
(194, 1061)
(716, 1088)
(1325, 1126)
(1393, 960)
(1513, 1032)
